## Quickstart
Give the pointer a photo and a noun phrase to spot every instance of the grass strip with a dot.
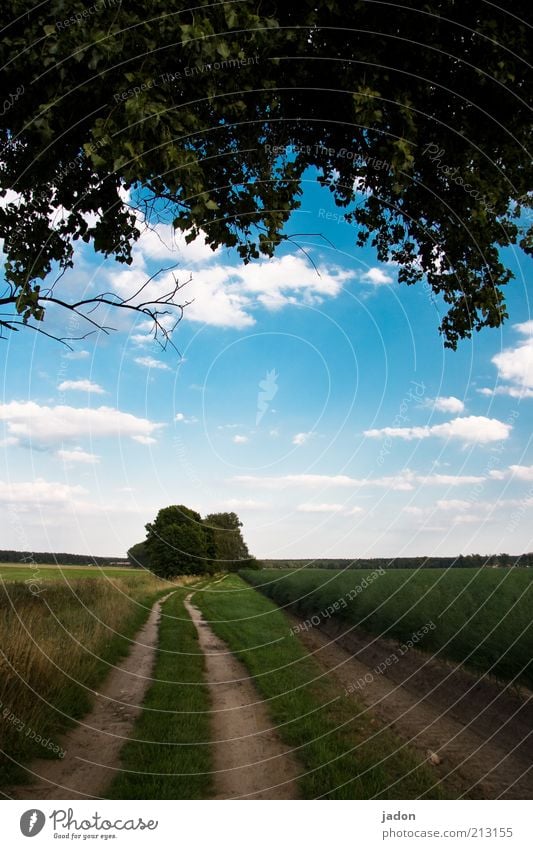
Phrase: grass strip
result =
(345, 752)
(168, 756)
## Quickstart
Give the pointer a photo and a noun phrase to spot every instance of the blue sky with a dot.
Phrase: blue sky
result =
(322, 408)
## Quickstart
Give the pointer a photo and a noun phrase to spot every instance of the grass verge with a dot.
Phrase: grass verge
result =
(58, 641)
(346, 754)
(168, 756)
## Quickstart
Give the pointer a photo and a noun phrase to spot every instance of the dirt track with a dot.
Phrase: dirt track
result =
(481, 731)
(93, 746)
(250, 761)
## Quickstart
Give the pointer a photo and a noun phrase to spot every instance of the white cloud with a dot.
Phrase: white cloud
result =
(45, 425)
(81, 386)
(151, 362)
(521, 473)
(145, 440)
(319, 508)
(403, 482)
(244, 504)
(302, 438)
(77, 355)
(516, 364)
(183, 419)
(38, 491)
(377, 277)
(76, 455)
(511, 391)
(239, 439)
(449, 404)
(311, 507)
(225, 295)
(468, 429)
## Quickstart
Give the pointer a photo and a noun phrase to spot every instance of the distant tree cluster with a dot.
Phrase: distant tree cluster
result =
(61, 558)
(180, 542)
(462, 561)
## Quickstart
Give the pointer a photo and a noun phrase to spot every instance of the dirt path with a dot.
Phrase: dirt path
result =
(481, 732)
(250, 761)
(93, 746)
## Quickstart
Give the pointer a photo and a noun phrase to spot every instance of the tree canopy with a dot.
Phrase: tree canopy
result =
(231, 550)
(412, 115)
(178, 543)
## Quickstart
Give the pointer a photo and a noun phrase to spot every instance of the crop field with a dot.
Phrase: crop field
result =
(18, 572)
(482, 617)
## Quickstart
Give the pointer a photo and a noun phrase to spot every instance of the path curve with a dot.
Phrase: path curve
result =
(250, 761)
(93, 745)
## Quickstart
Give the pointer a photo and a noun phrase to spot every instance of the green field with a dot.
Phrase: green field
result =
(17, 572)
(483, 617)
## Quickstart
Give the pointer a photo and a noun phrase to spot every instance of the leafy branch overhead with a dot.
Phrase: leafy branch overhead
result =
(413, 116)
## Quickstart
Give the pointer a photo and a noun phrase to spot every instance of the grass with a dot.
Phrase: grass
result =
(37, 572)
(57, 643)
(169, 756)
(345, 753)
(483, 617)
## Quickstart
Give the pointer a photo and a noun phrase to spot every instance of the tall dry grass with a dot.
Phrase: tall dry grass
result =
(57, 642)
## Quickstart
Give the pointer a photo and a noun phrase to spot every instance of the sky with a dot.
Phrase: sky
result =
(311, 394)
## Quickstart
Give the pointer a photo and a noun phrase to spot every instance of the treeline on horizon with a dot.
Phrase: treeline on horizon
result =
(27, 558)
(463, 561)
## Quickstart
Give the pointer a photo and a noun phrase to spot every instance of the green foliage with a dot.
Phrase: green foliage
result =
(422, 108)
(482, 616)
(138, 555)
(178, 543)
(231, 549)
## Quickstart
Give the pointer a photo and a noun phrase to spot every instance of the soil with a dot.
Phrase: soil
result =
(93, 746)
(250, 761)
(475, 732)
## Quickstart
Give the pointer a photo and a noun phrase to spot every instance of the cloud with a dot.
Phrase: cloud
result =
(516, 365)
(449, 404)
(329, 508)
(403, 482)
(46, 426)
(77, 355)
(239, 439)
(377, 277)
(182, 418)
(145, 440)
(468, 429)
(151, 362)
(76, 455)
(81, 386)
(520, 473)
(244, 504)
(224, 295)
(319, 508)
(38, 491)
(302, 438)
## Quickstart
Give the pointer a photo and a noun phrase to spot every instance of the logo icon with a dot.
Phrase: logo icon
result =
(32, 822)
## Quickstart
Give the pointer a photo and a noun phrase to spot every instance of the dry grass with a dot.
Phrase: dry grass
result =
(57, 642)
